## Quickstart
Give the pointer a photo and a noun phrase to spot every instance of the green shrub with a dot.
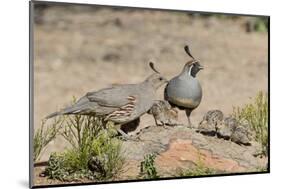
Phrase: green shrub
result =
(198, 170)
(147, 167)
(106, 159)
(44, 135)
(261, 24)
(57, 168)
(256, 114)
(90, 138)
(262, 168)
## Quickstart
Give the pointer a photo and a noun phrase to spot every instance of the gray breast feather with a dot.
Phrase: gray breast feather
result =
(184, 89)
(184, 92)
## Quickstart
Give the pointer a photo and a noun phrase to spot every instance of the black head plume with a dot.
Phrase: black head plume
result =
(186, 48)
(151, 64)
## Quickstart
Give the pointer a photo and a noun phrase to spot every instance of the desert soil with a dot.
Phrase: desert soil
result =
(82, 49)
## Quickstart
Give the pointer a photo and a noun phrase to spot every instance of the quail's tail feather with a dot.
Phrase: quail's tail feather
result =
(79, 107)
(52, 115)
(68, 110)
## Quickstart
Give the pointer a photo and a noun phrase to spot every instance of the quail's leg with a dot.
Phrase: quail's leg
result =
(160, 120)
(188, 112)
(156, 112)
(189, 122)
(157, 122)
(172, 123)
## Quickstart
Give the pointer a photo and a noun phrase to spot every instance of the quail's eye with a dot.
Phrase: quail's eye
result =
(161, 78)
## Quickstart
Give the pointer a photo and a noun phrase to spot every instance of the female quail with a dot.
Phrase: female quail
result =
(120, 104)
(184, 91)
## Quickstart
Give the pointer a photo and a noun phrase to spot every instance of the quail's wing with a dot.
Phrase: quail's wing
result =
(116, 96)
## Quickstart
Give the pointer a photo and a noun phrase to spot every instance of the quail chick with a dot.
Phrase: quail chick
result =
(163, 113)
(214, 124)
(235, 131)
(240, 135)
(184, 91)
(228, 127)
(211, 121)
(120, 103)
(243, 133)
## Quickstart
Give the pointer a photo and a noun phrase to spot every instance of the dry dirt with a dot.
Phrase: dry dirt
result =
(82, 49)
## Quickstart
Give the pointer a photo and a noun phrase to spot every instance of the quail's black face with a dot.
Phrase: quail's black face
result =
(194, 69)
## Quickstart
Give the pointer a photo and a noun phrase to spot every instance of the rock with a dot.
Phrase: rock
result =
(180, 147)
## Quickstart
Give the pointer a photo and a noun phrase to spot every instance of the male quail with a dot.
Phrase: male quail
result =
(120, 103)
(184, 91)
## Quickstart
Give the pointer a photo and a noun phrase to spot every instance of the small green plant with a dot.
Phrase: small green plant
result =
(91, 139)
(44, 135)
(106, 153)
(261, 24)
(58, 168)
(80, 131)
(198, 170)
(147, 167)
(256, 114)
(262, 169)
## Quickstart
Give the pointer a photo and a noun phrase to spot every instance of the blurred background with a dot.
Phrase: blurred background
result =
(85, 48)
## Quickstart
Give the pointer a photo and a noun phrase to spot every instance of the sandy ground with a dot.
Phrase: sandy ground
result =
(81, 49)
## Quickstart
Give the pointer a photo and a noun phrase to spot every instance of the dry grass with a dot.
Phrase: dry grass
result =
(44, 135)
(256, 114)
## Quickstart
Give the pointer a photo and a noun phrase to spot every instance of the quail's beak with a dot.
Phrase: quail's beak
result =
(201, 67)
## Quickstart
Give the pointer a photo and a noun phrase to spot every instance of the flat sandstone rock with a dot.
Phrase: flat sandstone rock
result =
(182, 148)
